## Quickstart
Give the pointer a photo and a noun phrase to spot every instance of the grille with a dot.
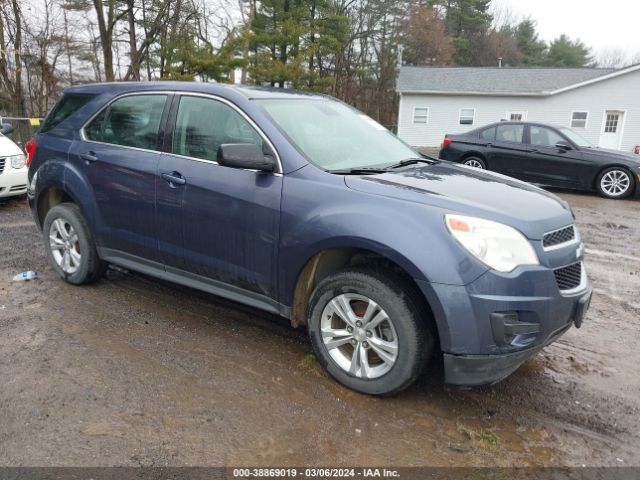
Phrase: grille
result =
(559, 236)
(17, 188)
(2, 160)
(569, 277)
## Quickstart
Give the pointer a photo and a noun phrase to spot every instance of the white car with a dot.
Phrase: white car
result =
(13, 170)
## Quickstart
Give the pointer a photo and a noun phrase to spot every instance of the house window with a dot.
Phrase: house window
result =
(467, 115)
(579, 119)
(516, 116)
(420, 115)
(611, 125)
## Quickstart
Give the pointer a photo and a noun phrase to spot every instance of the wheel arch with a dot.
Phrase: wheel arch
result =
(329, 260)
(622, 166)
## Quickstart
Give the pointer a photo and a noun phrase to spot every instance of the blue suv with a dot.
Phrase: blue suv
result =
(299, 205)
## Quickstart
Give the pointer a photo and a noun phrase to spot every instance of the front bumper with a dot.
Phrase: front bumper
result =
(489, 327)
(478, 370)
(13, 181)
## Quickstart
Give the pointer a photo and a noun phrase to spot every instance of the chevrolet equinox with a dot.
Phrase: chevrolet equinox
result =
(299, 205)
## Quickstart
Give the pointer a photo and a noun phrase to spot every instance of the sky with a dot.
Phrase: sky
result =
(602, 25)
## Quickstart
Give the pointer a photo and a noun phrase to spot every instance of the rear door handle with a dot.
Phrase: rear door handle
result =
(174, 179)
(89, 157)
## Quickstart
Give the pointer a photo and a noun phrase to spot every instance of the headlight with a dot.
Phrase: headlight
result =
(18, 161)
(499, 246)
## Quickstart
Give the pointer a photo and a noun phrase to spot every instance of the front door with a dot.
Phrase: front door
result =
(228, 218)
(611, 135)
(120, 155)
(550, 165)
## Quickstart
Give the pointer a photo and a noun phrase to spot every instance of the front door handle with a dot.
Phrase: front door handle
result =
(89, 157)
(174, 179)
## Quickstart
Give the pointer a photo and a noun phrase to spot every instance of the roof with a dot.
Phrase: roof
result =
(500, 81)
(251, 92)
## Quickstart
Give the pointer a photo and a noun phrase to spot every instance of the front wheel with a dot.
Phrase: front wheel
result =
(615, 182)
(369, 331)
(70, 246)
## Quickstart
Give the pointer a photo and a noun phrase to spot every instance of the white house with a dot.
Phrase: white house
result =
(603, 105)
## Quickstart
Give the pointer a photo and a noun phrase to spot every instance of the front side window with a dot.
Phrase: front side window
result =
(579, 119)
(203, 124)
(334, 136)
(544, 137)
(510, 133)
(467, 115)
(131, 121)
(420, 115)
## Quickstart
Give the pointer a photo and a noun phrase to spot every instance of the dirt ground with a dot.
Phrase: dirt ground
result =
(132, 371)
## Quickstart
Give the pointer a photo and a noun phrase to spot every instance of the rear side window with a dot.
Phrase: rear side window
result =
(67, 105)
(131, 121)
(488, 134)
(510, 133)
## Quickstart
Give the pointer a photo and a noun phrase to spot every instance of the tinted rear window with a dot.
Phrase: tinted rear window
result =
(68, 104)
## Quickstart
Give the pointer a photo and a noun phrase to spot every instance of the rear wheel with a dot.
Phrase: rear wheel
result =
(474, 162)
(368, 330)
(70, 246)
(615, 182)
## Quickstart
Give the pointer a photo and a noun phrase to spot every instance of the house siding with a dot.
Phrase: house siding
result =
(619, 93)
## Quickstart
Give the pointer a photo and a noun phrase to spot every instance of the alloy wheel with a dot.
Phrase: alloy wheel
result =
(359, 336)
(615, 183)
(474, 163)
(65, 246)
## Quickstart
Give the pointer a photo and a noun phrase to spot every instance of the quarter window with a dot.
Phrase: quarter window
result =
(69, 103)
(203, 124)
(131, 121)
(420, 115)
(510, 133)
(544, 137)
(467, 115)
(579, 119)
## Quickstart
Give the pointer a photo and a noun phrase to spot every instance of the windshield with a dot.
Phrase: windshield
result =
(575, 138)
(334, 136)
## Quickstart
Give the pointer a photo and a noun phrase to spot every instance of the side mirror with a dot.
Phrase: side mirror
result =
(563, 146)
(6, 129)
(245, 155)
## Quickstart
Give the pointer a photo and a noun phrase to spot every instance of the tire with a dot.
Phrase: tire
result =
(75, 259)
(615, 182)
(475, 162)
(405, 327)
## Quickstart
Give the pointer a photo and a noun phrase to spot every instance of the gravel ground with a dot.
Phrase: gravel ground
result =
(133, 371)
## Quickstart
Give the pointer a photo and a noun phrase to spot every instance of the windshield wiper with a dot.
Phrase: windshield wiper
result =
(359, 171)
(413, 161)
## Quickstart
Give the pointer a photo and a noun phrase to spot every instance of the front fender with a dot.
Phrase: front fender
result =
(320, 214)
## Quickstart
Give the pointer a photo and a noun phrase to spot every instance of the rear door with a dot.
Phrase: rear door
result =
(508, 152)
(119, 154)
(550, 165)
(228, 218)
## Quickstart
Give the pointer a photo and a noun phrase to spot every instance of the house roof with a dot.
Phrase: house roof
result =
(500, 81)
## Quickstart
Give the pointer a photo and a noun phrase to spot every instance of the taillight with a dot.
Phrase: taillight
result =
(30, 148)
(446, 142)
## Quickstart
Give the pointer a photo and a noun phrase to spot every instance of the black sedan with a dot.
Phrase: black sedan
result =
(545, 155)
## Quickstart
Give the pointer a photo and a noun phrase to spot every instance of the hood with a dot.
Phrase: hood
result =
(458, 189)
(8, 147)
(627, 157)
